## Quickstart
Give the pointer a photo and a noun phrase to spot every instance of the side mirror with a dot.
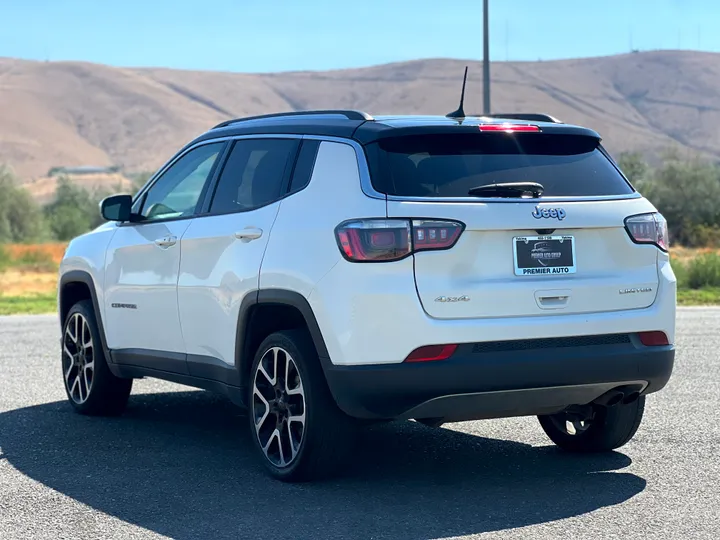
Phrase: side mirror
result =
(116, 208)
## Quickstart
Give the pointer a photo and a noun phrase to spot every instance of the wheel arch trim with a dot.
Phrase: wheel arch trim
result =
(83, 277)
(284, 297)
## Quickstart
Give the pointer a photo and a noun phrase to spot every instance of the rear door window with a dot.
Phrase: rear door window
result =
(449, 165)
(255, 174)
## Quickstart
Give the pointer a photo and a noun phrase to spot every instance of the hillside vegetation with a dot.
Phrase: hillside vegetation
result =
(73, 113)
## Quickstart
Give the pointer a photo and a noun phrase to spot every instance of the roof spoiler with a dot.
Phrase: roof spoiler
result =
(530, 117)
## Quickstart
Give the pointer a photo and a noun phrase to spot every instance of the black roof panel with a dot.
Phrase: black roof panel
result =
(366, 129)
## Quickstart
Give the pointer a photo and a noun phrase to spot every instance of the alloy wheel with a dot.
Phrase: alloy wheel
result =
(278, 407)
(78, 358)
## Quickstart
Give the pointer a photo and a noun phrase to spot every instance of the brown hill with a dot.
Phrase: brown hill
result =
(74, 113)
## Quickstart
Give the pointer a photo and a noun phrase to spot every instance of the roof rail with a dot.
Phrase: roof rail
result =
(347, 113)
(532, 117)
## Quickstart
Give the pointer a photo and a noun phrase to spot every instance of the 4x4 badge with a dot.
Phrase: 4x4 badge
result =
(557, 213)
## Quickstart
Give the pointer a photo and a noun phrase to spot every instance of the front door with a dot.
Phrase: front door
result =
(143, 261)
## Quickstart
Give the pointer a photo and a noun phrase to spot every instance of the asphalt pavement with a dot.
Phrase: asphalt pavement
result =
(178, 464)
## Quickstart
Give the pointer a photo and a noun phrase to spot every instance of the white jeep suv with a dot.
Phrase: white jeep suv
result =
(326, 269)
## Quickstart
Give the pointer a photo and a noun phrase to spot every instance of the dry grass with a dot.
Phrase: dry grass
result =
(19, 283)
(54, 251)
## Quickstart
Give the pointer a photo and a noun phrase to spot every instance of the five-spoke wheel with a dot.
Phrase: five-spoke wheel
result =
(78, 358)
(90, 386)
(298, 431)
(278, 406)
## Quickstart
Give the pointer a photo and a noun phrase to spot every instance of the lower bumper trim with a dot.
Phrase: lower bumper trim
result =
(497, 384)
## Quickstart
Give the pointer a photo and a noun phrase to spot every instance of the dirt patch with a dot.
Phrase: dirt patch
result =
(16, 283)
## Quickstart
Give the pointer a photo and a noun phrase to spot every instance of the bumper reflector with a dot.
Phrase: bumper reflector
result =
(430, 353)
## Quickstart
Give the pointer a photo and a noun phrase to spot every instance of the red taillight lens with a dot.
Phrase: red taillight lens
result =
(653, 339)
(431, 353)
(378, 240)
(648, 229)
(509, 128)
(435, 234)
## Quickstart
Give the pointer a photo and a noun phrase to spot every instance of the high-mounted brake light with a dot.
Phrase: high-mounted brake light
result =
(431, 353)
(509, 128)
(648, 229)
(382, 240)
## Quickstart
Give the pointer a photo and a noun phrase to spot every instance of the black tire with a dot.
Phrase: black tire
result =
(104, 394)
(610, 428)
(327, 433)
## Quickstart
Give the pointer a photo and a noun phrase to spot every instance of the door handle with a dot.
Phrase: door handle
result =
(248, 234)
(166, 241)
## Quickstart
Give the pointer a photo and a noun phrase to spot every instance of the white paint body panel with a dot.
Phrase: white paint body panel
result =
(141, 273)
(379, 319)
(481, 267)
(86, 253)
(216, 272)
(303, 246)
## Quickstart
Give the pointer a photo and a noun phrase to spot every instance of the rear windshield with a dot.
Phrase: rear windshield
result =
(450, 165)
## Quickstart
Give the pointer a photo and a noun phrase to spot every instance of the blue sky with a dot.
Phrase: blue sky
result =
(281, 35)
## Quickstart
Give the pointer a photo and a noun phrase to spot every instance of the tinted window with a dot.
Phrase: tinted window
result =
(177, 191)
(254, 175)
(304, 165)
(450, 165)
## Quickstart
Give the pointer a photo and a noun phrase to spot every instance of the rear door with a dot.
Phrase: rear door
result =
(223, 250)
(564, 252)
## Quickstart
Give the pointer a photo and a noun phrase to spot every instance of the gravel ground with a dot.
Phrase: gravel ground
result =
(178, 465)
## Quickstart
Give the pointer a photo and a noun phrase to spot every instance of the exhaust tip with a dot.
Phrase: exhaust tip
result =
(615, 400)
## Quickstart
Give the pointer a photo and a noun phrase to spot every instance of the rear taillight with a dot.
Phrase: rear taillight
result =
(648, 229)
(653, 339)
(382, 240)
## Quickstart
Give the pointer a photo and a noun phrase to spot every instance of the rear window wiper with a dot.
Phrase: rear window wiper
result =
(511, 189)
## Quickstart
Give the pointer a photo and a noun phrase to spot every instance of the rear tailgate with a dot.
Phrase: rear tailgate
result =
(566, 251)
(477, 277)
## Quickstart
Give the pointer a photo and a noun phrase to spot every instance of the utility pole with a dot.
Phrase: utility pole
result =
(486, 60)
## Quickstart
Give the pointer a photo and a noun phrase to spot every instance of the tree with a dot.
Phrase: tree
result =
(634, 167)
(74, 211)
(139, 179)
(20, 217)
(687, 193)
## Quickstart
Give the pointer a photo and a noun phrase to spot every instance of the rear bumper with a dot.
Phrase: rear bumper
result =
(494, 382)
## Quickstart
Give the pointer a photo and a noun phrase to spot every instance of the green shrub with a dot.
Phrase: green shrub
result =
(681, 272)
(20, 217)
(703, 271)
(73, 212)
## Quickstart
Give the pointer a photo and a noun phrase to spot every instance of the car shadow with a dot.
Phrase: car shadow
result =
(180, 464)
